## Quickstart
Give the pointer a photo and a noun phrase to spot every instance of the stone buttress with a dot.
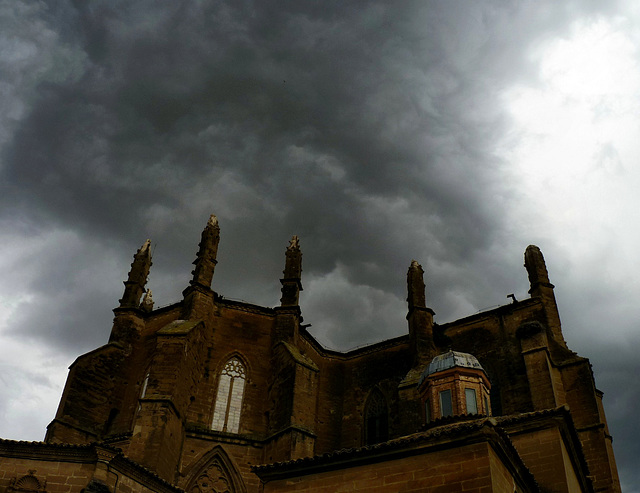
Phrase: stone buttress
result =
(93, 399)
(294, 387)
(176, 368)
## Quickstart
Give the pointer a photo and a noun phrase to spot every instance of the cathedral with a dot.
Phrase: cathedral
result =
(212, 395)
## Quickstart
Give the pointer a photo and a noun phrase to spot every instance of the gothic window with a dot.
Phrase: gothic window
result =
(145, 383)
(226, 413)
(213, 480)
(143, 391)
(216, 475)
(376, 418)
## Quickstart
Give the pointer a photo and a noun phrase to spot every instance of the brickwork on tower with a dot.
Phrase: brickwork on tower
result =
(213, 395)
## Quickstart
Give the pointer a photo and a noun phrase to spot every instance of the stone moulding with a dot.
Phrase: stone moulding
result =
(27, 483)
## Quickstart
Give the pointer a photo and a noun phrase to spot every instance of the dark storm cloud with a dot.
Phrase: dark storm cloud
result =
(368, 129)
(183, 91)
(294, 103)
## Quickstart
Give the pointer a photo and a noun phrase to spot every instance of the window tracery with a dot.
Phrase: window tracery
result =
(213, 480)
(215, 473)
(376, 418)
(228, 405)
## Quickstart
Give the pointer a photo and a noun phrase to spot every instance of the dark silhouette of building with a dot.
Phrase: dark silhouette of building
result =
(215, 395)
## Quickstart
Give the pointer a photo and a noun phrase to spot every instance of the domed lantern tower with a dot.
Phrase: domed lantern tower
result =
(454, 384)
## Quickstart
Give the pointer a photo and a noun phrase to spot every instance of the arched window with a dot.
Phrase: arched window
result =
(376, 416)
(214, 473)
(145, 384)
(226, 413)
(143, 390)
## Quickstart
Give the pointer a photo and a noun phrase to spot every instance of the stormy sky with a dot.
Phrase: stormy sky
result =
(451, 132)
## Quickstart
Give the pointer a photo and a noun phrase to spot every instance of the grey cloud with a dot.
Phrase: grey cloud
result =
(370, 131)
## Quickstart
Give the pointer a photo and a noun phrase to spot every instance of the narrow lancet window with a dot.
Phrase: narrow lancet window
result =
(145, 383)
(226, 413)
(143, 391)
(376, 418)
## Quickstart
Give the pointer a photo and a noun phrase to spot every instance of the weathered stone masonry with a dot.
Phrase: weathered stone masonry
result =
(216, 395)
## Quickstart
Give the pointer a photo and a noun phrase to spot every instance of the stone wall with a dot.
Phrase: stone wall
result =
(37, 467)
(441, 464)
(300, 399)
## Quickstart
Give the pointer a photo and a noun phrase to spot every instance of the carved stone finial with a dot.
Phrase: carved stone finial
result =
(145, 246)
(291, 285)
(293, 264)
(415, 286)
(213, 221)
(419, 316)
(147, 301)
(134, 285)
(205, 261)
(294, 243)
(541, 288)
(536, 268)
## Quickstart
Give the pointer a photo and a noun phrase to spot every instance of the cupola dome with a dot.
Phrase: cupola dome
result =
(454, 383)
(451, 359)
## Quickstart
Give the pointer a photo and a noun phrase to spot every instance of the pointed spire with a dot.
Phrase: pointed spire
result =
(134, 285)
(542, 289)
(415, 286)
(536, 269)
(420, 317)
(291, 284)
(205, 261)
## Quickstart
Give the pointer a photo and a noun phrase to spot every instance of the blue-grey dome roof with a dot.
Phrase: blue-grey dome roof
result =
(451, 359)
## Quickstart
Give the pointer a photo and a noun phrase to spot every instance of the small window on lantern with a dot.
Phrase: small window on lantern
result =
(427, 412)
(472, 403)
(446, 406)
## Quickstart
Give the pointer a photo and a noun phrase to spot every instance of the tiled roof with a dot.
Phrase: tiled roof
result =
(444, 431)
(16, 446)
(519, 417)
(25, 443)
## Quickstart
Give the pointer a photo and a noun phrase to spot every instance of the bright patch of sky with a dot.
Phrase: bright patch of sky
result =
(31, 378)
(574, 147)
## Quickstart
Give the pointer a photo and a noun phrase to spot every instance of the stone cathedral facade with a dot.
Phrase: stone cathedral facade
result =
(210, 395)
